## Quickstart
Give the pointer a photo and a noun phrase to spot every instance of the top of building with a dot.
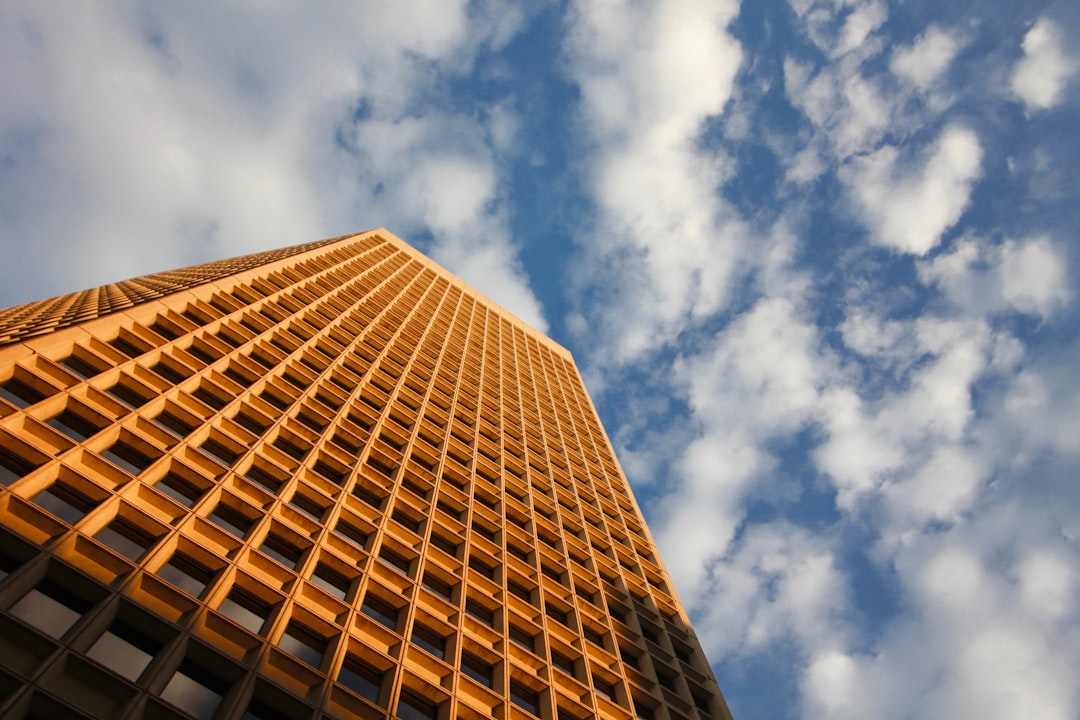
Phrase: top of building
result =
(45, 316)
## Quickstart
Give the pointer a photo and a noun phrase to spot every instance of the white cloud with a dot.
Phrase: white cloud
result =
(1042, 74)
(1033, 276)
(777, 581)
(178, 134)
(909, 209)
(650, 76)
(1027, 276)
(767, 364)
(924, 62)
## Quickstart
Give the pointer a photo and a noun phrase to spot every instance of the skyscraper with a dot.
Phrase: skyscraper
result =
(329, 481)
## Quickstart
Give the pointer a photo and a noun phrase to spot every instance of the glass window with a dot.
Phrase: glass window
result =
(195, 690)
(477, 669)
(429, 640)
(414, 707)
(245, 609)
(186, 573)
(231, 520)
(524, 698)
(65, 502)
(481, 613)
(50, 608)
(380, 611)
(331, 581)
(126, 538)
(304, 644)
(281, 550)
(179, 489)
(124, 650)
(361, 678)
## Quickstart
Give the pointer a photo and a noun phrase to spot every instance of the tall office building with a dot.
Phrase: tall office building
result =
(330, 481)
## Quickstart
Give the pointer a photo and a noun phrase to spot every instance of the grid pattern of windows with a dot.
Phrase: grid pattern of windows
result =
(331, 480)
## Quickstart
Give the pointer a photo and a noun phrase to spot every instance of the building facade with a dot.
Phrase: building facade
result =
(330, 481)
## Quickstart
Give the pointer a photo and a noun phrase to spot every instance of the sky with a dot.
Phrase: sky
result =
(816, 259)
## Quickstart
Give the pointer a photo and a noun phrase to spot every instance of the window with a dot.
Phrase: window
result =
(520, 591)
(429, 640)
(19, 393)
(186, 573)
(196, 690)
(50, 608)
(231, 519)
(481, 567)
(260, 710)
(361, 678)
(380, 611)
(331, 581)
(304, 644)
(81, 364)
(124, 650)
(175, 424)
(523, 638)
(395, 559)
(130, 393)
(180, 490)
(218, 450)
(477, 669)
(557, 614)
(245, 609)
(265, 478)
(406, 520)
(603, 688)
(563, 663)
(308, 505)
(438, 586)
(352, 533)
(281, 550)
(593, 636)
(480, 612)
(13, 467)
(126, 538)
(65, 502)
(76, 423)
(525, 698)
(127, 457)
(414, 707)
(447, 546)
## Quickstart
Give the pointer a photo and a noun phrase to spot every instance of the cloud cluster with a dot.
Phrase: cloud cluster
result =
(901, 378)
(651, 74)
(160, 137)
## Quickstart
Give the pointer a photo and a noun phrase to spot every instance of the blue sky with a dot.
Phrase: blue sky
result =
(816, 260)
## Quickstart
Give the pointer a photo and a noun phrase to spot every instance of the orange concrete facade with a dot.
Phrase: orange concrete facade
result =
(330, 481)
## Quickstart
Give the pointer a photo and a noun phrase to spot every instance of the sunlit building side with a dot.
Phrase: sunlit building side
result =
(329, 481)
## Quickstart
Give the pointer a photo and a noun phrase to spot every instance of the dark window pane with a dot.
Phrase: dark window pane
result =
(303, 644)
(381, 612)
(195, 691)
(50, 608)
(186, 574)
(64, 502)
(179, 489)
(477, 669)
(245, 609)
(125, 538)
(411, 707)
(428, 640)
(361, 678)
(124, 650)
